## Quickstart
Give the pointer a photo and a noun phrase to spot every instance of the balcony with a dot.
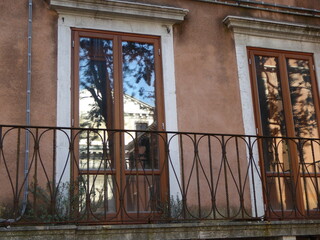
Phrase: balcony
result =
(85, 176)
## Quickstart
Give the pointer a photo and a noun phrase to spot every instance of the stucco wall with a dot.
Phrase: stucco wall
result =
(208, 98)
(13, 72)
(13, 58)
(207, 85)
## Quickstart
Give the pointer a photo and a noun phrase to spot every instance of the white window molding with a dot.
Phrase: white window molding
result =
(273, 29)
(120, 9)
(262, 33)
(118, 16)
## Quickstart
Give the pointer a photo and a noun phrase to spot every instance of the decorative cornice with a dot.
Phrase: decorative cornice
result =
(117, 8)
(273, 29)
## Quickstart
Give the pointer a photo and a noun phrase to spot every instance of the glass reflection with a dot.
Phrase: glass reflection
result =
(279, 193)
(100, 191)
(272, 115)
(306, 126)
(96, 101)
(303, 110)
(139, 101)
(275, 150)
(142, 193)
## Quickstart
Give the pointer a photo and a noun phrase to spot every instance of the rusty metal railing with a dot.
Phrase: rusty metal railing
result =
(103, 176)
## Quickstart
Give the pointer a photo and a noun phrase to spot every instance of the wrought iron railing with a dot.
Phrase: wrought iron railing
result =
(100, 176)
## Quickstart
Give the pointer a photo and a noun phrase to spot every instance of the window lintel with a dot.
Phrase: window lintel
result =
(116, 8)
(273, 29)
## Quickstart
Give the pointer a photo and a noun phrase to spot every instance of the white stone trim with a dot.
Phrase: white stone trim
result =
(273, 29)
(120, 9)
(66, 22)
(253, 32)
(112, 15)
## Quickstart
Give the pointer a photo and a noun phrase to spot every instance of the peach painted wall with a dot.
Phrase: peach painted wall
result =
(13, 58)
(13, 72)
(207, 87)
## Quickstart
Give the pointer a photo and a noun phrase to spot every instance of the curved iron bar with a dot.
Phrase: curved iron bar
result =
(253, 163)
(190, 175)
(242, 186)
(205, 176)
(138, 160)
(92, 191)
(174, 172)
(213, 174)
(219, 174)
(15, 192)
(306, 173)
(88, 208)
(233, 177)
(274, 211)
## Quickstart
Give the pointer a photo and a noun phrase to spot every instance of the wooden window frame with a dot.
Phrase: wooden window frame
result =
(287, 108)
(119, 169)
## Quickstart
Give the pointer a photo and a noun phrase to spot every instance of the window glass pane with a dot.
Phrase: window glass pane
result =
(280, 193)
(311, 193)
(142, 152)
(272, 115)
(142, 193)
(95, 82)
(93, 154)
(270, 96)
(99, 191)
(96, 101)
(304, 115)
(138, 84)
(139, 100)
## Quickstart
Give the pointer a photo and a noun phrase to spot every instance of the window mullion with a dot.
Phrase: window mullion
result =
(284, 81)
(290, 128)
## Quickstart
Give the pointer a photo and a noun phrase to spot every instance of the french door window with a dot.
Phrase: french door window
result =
(117, 88)
(287, 115)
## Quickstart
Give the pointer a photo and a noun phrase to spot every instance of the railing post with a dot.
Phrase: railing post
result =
(255, 178)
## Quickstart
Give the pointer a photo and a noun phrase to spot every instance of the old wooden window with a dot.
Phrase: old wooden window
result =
(286, 100)
(117, 84)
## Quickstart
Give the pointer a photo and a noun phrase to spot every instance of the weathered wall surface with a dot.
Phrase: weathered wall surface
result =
(207, 85)
(13, 72)
(13, 58)
(208, 99)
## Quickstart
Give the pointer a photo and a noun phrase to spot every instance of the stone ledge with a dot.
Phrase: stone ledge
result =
(123, 9)
(174, 231)
(273, 29)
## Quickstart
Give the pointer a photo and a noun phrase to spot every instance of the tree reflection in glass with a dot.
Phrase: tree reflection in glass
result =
(96, 110)
(306, 126)
(96, 101)
(272, 113)
(139, 104)
(275, 150)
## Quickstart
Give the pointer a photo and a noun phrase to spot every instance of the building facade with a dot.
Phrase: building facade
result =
(187, 119)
